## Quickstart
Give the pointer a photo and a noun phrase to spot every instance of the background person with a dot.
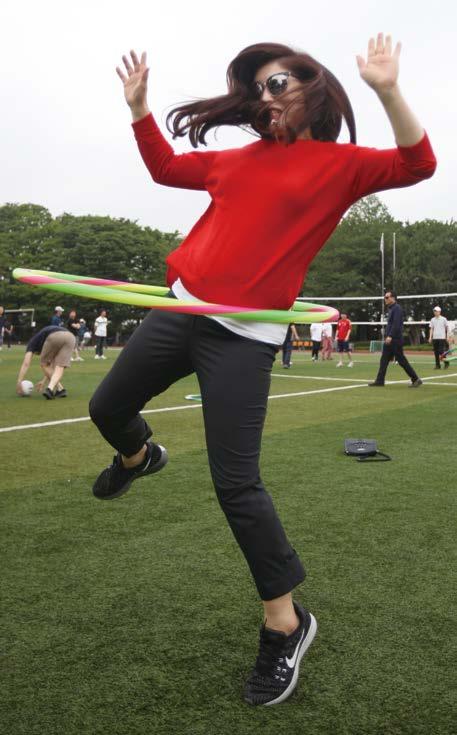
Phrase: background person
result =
(291, 334)
(438, 335)
(316, 337)
(393, 344)
(8, 329)
(343, 335)
(100, 332)
(57, 319)
(54, 345)
(451, 333)
(82, 342)
(73, 326)
(2, 325)
(327, 341)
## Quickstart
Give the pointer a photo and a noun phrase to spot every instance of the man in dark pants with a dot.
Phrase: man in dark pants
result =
(287, 345)
(393, 344)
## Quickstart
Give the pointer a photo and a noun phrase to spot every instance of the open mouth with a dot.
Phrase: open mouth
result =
(275, 115)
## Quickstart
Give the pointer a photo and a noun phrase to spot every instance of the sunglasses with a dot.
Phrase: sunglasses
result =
(276, 84)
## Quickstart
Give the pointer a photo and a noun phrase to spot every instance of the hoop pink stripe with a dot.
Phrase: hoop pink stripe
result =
(194, 306)
(155, 297)
(42, 279)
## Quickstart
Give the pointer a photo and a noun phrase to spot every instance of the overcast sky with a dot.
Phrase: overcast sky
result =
(66, 141)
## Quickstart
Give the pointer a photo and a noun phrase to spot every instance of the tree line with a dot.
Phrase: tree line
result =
(103, 247)
(348, 265)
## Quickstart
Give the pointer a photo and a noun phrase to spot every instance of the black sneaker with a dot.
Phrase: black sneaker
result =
(376, 385)
(61, 393)
(415, 383)
(48, 394)
(116, 479)
(275, 674)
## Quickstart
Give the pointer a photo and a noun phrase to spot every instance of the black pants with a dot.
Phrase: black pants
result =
(316, 348)
(100, 343)
(234, 377)
(286, 353)
(394, 350)
(439, 346)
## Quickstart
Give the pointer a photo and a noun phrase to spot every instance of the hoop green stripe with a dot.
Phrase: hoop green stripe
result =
(154, 297)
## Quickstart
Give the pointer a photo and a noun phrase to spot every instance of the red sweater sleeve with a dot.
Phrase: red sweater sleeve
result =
(185, 171)
(376, 170)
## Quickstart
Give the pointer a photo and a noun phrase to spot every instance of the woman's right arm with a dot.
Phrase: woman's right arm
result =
(187, 171)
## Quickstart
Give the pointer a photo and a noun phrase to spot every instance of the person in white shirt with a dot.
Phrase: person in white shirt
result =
(451, 333)
(327, 341)
(438, 335)
(316, 337)
(100, 331)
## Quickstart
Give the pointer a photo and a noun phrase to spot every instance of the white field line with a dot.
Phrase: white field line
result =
(368, 359)
(46, 424)
(87, 418)
(313, 377)
(354, 380)
(320, 390)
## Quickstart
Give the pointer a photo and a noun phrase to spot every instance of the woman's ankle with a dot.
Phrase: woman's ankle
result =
(280, 614)
(131, 462)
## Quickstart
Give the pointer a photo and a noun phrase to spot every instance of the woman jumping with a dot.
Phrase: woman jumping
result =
(274, 203)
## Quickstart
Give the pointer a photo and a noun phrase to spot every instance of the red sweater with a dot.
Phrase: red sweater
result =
(272, 208)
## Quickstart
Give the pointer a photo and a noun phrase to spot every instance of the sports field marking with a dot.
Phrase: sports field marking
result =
(358, 384)
(46, 424)
(314, 377)
(87, 418)
(367, 359)
(354, 380)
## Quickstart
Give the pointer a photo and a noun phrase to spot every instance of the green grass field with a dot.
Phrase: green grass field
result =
(139, 616)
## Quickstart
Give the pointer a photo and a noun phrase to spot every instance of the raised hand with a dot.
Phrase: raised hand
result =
(135, 81)
(380, 70)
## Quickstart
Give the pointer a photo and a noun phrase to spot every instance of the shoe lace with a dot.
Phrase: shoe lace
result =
(269, 659)
(116, 466)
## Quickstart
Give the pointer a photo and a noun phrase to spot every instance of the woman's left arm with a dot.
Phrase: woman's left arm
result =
(380, 71)
(371, 170)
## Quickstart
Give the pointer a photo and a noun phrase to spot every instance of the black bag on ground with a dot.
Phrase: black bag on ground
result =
(365, 450)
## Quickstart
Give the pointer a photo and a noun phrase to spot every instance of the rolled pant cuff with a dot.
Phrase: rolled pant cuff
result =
(290, 577)
(131, 447)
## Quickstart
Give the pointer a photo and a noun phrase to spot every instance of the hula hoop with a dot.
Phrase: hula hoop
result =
(154, 297)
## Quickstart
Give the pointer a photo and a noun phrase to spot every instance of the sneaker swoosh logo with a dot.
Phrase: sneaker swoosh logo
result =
(147, 464)
(292, 661)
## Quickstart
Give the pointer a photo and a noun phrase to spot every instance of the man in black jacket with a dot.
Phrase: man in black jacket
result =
(393, 344)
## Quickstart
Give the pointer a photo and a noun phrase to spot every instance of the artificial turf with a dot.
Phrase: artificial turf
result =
(139, 616)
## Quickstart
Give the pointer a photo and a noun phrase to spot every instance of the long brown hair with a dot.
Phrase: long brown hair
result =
(325, 102)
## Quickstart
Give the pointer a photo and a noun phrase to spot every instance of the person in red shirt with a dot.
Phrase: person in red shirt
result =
(343, 333)
(273, 205)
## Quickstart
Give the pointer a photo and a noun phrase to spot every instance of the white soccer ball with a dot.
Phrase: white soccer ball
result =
(26, 387)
